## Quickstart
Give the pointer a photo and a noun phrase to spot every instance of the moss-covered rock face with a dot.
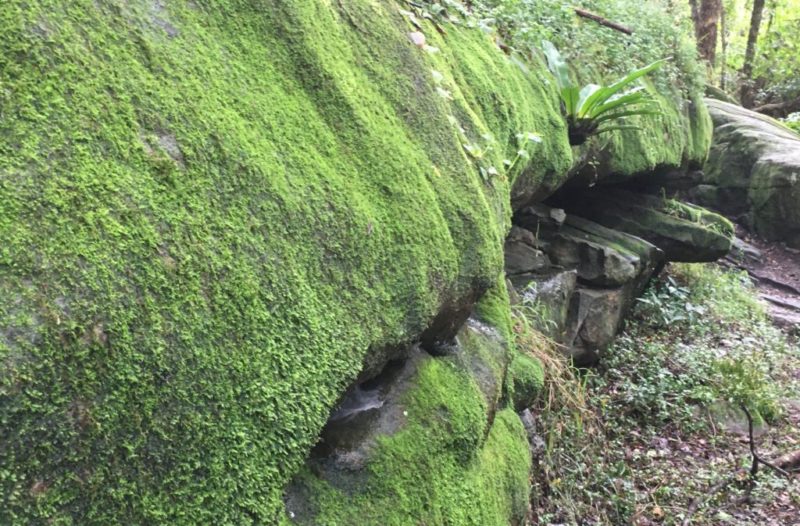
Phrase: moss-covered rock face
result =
(441, 449)
(211, 212)
(680, 136)
(526, 378)
(677, 139)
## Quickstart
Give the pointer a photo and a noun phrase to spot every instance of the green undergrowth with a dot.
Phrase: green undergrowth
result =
(211, 212)
(648, 432)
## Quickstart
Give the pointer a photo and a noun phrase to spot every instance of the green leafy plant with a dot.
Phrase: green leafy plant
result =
(793, 121)
(589, 108)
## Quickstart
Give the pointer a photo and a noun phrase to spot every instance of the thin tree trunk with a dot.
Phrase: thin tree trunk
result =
(695, 18)
(723, 29)
(706, 24)
(750, 53)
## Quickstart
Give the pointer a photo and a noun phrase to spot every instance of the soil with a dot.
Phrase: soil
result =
(776, 270)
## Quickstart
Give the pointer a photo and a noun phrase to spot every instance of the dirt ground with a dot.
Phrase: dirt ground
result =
(776, 270)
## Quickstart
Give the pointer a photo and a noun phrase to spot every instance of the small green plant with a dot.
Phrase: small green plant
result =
(668, 303)
(592, 106)
(793, 121)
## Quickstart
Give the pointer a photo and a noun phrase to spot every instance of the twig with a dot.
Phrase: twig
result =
(603, 21)
(777, 106)
(756, 458)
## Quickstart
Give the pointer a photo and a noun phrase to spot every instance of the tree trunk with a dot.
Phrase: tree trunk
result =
(723, 29)
(695, 18)
(705, 28)
(748, 93)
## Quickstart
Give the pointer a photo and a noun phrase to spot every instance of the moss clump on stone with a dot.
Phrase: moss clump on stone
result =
(495, 309)
(211, 212)
(525, 380)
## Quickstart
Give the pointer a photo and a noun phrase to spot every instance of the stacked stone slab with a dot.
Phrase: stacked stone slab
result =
(593, 277)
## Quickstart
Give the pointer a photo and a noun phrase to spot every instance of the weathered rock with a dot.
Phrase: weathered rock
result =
(744, 252)
(595, 318)
(612, 268)
(602, 257)
(784, 311)
(684, 232)
(754, 164)
(427, 419)
(548, 294)
(522, 254)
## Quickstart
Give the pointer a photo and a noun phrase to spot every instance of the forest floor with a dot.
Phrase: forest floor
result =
(775, 269)
(655, 435)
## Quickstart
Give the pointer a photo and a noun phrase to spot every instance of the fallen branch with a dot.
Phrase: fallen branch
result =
(756, 458)
(603, 21)
(789, 462)
(777, 106)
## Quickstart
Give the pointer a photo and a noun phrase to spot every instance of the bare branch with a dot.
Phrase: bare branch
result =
(603, 21)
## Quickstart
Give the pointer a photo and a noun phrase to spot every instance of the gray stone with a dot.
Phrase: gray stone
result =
(684, 232)
(755, 164)
(548, 298)
(744, 252)
(521, 258)
(595, 319)
(602, 256)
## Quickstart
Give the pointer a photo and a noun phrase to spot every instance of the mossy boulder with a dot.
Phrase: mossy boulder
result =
(214, 213)
(676, 140)
(753, 171)
(440, 449)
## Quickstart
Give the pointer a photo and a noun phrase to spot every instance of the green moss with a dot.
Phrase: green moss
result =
(211, 211)
(526, 379)
(701, 133)
(494, 308)
(700, 216)
(681, 135)
(438, 469)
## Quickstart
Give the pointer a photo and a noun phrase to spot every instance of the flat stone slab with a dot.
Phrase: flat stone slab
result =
(684, 232)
